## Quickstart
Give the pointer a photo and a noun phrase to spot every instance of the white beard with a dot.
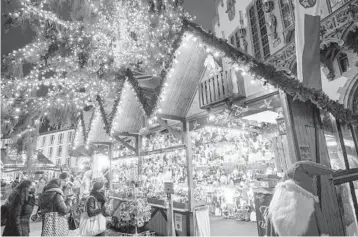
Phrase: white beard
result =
(291, 208)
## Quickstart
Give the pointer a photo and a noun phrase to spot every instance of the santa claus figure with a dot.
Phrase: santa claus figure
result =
(294, 209)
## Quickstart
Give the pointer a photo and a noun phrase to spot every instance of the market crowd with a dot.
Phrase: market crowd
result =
(63, 205)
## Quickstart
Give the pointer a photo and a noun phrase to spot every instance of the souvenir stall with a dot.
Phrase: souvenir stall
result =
(222, 139)
(273, 112)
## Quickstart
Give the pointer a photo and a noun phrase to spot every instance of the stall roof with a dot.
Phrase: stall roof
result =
(6, 161)
(43, 159)
(184, 75)
(128, 111)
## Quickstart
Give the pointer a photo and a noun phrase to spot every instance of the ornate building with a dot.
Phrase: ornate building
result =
(265, 29)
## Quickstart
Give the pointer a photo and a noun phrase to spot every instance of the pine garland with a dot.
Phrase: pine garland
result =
(103, 115)
(115, 105)
(288, 83)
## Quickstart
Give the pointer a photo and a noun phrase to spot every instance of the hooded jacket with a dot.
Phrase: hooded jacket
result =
(52, 200)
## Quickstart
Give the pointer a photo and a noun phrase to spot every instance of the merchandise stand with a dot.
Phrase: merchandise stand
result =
(203, 97)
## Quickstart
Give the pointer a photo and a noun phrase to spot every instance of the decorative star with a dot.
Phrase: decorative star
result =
(267, 104)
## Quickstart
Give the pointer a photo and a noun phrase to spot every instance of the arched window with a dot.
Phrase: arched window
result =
(343, 62)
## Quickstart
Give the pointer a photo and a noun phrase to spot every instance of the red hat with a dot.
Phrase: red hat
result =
(302, 173)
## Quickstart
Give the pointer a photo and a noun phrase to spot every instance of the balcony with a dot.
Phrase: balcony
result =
(220, 88)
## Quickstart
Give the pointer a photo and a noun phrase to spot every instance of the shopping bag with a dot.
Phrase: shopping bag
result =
(54, 225)
(91, 226)
(73, 222)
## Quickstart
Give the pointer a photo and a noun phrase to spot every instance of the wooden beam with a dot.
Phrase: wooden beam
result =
(171, 117)
(138, 144)
(125, 143)
(189, 163)
(345, 176)
(170, 129)
(126, 134)
(110, 156)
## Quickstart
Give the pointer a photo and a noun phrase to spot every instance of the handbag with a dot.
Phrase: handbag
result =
(54, 224)
(91, 226)
(73, 222)
(4, 214)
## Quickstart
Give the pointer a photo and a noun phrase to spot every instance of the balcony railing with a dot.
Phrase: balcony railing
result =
(218, 89)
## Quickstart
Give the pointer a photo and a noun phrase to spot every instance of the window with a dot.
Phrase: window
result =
(58, 162)
(60, 138)
(235, 38)
(343, 62)
(259, 31)
(287, 13)
(52, 139)
(69, 139)
(50, 152)
(335, 4)
(43, 141)
(59, 151)
(68, 162)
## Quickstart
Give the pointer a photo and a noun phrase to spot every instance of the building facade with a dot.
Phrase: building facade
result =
(265, 29)
(57, 146)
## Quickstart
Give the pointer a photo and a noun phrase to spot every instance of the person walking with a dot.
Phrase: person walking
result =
(54, 209)
(15, 183)
(95, 206)
(20, 205)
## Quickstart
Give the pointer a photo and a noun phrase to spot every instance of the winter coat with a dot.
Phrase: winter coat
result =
(95, 204)
(20, 211)
(52, 200)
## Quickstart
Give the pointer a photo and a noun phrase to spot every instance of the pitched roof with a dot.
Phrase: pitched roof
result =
(288, 83)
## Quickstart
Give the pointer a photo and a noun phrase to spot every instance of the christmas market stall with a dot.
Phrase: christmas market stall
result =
(243, 123)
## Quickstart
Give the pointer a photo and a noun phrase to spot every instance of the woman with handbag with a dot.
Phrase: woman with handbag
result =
(18, 210)
(54, 209)
(93, 221)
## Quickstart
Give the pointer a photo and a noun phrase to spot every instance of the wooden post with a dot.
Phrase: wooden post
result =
(189, 162)
(110, 157)
(305, 128)
(138, 145)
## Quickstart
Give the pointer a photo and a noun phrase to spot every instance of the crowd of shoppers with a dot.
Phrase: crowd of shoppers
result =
(57, 201)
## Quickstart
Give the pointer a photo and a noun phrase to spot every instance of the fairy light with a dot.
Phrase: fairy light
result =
(115, 35)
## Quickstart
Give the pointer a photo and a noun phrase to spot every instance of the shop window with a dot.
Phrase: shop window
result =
(60, 138)
(52, 141)
(335, 4)
(258, 30)
(287, 13)
(343, 62)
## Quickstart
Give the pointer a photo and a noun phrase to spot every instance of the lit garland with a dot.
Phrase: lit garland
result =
(80, 132)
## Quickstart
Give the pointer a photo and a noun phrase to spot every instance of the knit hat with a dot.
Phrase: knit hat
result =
(302, 173)
(97, 186)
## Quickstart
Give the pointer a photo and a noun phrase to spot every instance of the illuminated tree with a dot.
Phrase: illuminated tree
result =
(79, 57)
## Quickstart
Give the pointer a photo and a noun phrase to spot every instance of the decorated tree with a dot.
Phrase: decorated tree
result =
(79, 57)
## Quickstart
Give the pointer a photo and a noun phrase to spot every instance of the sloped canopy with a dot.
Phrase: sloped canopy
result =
(80, 132)
(288, 83)
(129, 111)
(98, 128)
(43, 159)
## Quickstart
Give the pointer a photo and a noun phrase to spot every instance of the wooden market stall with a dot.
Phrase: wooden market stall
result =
(211, 83)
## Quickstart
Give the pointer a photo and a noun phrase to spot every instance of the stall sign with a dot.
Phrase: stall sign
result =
(169, 187)
(178, 221)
